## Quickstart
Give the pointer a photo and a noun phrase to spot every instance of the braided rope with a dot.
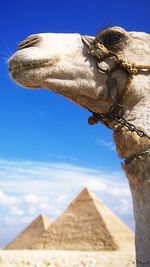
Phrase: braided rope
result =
(132, 69)
(125, 89)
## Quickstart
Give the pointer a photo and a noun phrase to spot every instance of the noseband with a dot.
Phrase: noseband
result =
(116, 111)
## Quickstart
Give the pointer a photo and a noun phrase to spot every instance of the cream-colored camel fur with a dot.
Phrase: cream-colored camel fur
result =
(61, 63)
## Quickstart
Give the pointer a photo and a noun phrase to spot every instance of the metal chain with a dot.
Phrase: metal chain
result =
(120, 119)
(130, 126)
(116, 112)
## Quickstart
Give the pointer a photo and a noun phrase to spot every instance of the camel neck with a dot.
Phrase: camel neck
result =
(129, 143)
(138, 173)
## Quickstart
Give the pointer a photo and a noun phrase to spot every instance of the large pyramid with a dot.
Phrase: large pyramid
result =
(87, 224)
(30, 235)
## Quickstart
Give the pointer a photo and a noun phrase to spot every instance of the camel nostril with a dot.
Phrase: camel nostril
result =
(29, 41)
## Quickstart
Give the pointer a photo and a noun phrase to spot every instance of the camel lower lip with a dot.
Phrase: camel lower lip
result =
(18, 67)
(28, 66)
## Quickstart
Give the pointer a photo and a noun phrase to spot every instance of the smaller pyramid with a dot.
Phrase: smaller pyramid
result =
(30, 234)
(87, 224)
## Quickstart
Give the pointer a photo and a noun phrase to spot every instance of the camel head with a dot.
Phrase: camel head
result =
(62, 63)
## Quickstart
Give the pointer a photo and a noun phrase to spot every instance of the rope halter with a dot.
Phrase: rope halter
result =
(100, 52)
(116, 111)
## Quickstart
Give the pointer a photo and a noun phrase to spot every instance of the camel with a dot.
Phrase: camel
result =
(109, 75)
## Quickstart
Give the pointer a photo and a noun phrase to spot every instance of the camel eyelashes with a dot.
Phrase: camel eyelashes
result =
(102, 29)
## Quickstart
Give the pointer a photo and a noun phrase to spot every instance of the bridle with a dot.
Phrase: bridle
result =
(116, 111)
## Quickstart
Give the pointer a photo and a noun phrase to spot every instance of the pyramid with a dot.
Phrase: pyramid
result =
(87, 224)
(30, 235)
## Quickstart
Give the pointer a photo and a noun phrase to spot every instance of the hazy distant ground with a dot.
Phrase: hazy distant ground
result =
(41, 258)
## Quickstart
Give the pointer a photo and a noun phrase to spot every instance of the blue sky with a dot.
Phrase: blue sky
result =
(45, 141)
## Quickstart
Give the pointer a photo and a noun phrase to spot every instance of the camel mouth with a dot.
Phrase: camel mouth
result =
(16, 68)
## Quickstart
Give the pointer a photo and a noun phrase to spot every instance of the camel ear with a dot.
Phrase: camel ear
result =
(90, 39)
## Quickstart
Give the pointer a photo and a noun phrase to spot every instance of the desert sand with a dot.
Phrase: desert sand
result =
(53, 258)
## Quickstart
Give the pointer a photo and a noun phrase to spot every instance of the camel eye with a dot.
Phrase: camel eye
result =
(112, 38)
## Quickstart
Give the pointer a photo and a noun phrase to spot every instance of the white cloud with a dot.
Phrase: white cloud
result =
(32, 211)
(61, 199)
(16, 211)
(27, 219)
(109, 145)
(48, 208)
(112, 188)
(97, 185)
(6, 200)
(31, 199)
(124, 207)
(10, 220)
(13, 220)
(119, 191)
